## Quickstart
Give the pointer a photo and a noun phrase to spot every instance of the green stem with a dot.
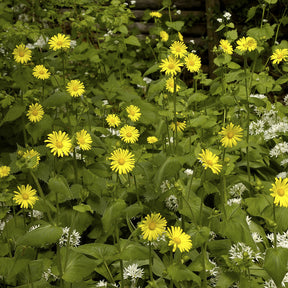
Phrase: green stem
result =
(175, 114)
(137, 191)
(224, 196)
(121, 261)
(204, 284)
(274, 229)
(75, 167)
(59, 264)
(150, 261)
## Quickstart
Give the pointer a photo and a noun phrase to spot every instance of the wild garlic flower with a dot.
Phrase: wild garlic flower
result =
(257, 237)
(171, 203)
(102, 283)
(133, 272)
(188, 172)
(232, 201)
(282, 239)
(237, 189)
(69, 238)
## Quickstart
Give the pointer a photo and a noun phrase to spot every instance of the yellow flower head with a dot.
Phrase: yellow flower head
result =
(210, 160)
(4, 171)
(25, 196)
(40, 72)
(180, 126)
(59, 143)
(179, 239)
(84, 140)
(180, 36)
(164, 36)
(226, 46)
(113, 120)
(170, 65)
(193, 62)
(155, 14)
(246, 44)
(152, 226)
(59, 41)
(179, 49)
(152, 139)
(129, 134)
(35, 112)
(75, 88)
(170, 85)
(32, 156)
(280, 192)
(133, 112)
(230, 135)
(22, 54)
(122, 161)
(279, 55)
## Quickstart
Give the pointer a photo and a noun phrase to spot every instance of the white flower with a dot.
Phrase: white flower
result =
(133, 272)
(279, 149)
(133, 2)
(248, 220)
(286, 100)
(232, 201)
(259, 96)
(73, 43)
(192, 41)
(284, 162)
(47, 274)
(101, 283)
(178, 12)
(188, 172)
(105, 102)
(114, 132)
(172, 203)
(220, 20)
(147, 80)
(41, 42)
(237, 189)
(282, 175)
(282, 239)
(227, 15)
(69, 238)
(34, 227)
(257, 237)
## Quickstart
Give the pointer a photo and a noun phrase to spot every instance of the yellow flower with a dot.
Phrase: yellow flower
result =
(231, 134)
(4, 171)
(155, 14)
(226, 46)
(164, 36)
(170, 85)
(210, 160)
(152, 139)
(129, 134)
(280, 192)
(180, 126)
(180, 36)
(179, 49)
(35, 112)
(279, 55)
(84, 140)
(75, 88)
(133, 112)
(179, 239)
(40, 72)
(22, 54)
(122, 161)
(152, 226)
(113, 120)
(245, 44)
(25, 196)
(59, 143)
(193, 62)
(170, 66)
(32, 156)
(59, 41)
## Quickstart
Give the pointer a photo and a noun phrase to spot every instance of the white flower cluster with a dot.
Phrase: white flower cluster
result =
(47, 274)
(257, 237)
(34, 227)
(69, 238)
(188, 172)
(232, 201)
(279, 149)
(172, 203)
(165, 186)
(213, 274)
(282, 239)
(271, 284)
(133, 272)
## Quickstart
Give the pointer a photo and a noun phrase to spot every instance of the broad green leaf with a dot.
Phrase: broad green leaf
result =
(266, 32)
(57, 99)
(132, 40)
(251, 13)
(58, 185)
(231, 35)
(82, 208)
(13, 113)
(37, 130)
(179, 272)
(271, 1)
(177, 25)
(197, 97)
(156, 87)
(203, 121)
(152, 69)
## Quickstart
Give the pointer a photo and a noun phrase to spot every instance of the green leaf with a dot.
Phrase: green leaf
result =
(57, 99)
(203, 121)
(177, 25)
(179, 272)
(82, 208)
(13, 113)
(251, 13)
(156, 87)
(36, 130)
(197, 97)
(266, 32)
(275, 263)
(42, 236)
(271, 1)
(58, 185)
(152, 69)
(132, 40)
(231, 35)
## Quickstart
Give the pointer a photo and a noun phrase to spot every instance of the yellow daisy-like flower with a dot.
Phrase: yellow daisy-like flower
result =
(280, 192)
(22, 54)
(155, 14)
(164, 36)
(179, 239)
(279, 55)
(246, 44)
(231, 134)
(170, 65)
(210, 160)
(59, 41)
(129, 134)
(180, 36)
(152, 139)
(35, 112)
(152, 226)
(179, 49)
(122, 161)
(4, 171)
(59, 143)
(75, 88)
(180, 126)
(170, 85)
(25, 196)
(40, 72)
(133, 112)
(32, 155)
(113, 120)
(193, 62)
(84, 140)
(226, 46)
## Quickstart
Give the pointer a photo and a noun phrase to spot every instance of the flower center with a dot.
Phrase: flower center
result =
(132, 113)
(75, 88)
(281, 192)
(81, 140)
(191, 63)
(178, 49)
(121, 161)
(152, 226)
(41, 72)
(59, 144)
(129, 134)
(209, 162)
(34, 112)
(177, 240)
(25, 196)
(59, 43)
(230, 134)
(21, 53)
(171, 66)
